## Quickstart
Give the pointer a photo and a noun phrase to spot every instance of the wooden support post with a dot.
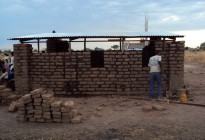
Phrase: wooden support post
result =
(163, 43)
(38, 45)
(120, 43)
(69, 44)
(123, 40)
(84, 44)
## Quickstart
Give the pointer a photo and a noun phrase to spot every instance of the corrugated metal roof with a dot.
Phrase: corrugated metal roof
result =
(97, 35)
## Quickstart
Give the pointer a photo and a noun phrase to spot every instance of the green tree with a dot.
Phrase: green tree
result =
(186, 48)
(109, 49)
(98, 49)
(115, 47)
(202, 46)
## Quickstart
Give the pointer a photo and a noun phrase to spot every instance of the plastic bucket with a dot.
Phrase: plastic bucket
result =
(183, 96)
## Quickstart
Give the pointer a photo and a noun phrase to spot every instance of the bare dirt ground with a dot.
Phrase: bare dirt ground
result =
(121, 118)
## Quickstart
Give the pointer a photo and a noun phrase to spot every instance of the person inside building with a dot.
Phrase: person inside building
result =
(155, 75)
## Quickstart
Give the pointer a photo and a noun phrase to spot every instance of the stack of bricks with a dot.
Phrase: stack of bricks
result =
(28, 105)
(48, 98)
(6, 95)
(41, 106)
(56, 111)
(21, 115)
(41, 99)
(67, 109)
(64, 112)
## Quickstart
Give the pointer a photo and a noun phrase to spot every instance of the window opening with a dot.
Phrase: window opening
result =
(97, 59)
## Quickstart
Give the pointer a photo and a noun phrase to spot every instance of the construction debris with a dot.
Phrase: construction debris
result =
(7, 96)
(158, 107)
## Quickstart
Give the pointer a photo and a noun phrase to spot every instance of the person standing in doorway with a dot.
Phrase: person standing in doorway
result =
(155, 75)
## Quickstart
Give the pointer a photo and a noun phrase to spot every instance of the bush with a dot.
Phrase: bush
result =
(202, 46)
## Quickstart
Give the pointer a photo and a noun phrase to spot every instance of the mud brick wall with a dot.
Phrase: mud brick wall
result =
(22, 53)
(173, 55)
(122, 72)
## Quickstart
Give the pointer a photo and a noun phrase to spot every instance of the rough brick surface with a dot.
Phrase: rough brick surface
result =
(47, 96)
(26, 97)
(13, 106)
(68, 104)
(56, 104)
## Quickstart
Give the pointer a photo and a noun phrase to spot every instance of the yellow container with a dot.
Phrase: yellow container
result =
(183, 96)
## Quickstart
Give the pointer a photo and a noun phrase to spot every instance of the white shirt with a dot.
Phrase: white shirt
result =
(12, 62)
(154, 63)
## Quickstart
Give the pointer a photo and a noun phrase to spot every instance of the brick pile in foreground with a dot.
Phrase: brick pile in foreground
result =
(41, 106)
(6, 95)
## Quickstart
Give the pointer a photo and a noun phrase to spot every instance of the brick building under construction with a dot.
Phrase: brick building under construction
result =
(120, 71)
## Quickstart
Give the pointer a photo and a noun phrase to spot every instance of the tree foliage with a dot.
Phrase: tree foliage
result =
(98, 49)
(186, 48)
(115, 47)
(202, 46)
(109, 49)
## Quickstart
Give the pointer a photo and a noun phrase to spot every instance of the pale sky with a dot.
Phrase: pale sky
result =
(27, 17)
(193, 38)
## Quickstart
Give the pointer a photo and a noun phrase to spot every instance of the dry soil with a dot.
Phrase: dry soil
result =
(121, 118)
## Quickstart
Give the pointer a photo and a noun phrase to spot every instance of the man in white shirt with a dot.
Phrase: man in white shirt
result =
(155, 75)
(12, 61)
(11, 73)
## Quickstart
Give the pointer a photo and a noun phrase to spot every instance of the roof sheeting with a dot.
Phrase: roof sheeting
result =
(96, 35)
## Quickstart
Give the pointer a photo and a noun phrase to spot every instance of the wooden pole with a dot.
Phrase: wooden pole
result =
(120, 43)
(163, 43)
(84, 44)
(38, 45)
(123, 44)
(69, 44)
